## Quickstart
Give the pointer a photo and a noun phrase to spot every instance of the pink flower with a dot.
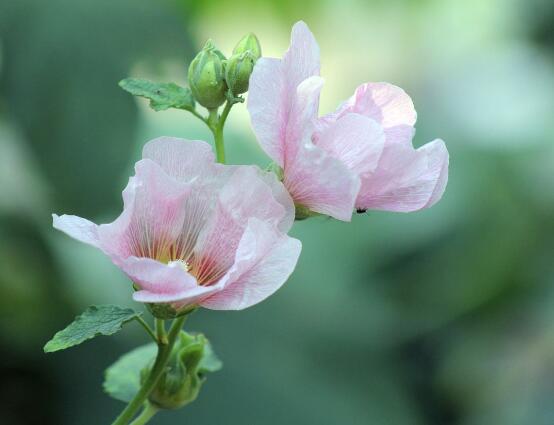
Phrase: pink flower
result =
(361, 156)
(193, 232)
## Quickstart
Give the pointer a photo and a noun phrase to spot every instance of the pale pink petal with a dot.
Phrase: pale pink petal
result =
(406, 179)
(153, 214)
(272, 97)
(385, 103)
(183, 159)
(356, 140)
(264, 260)
(281, 195)
(244, 196)
(302, 58)
(322, 183)
(302, 117)
(265, 105)
(158, 282)
(78, 228)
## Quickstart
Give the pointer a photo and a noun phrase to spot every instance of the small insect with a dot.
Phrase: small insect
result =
(361, 210)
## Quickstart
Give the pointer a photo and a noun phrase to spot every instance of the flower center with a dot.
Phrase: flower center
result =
(180, 263)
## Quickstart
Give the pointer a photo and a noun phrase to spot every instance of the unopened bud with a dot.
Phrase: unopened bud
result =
(207, 77)
(191, 358)
(238, 70)
(249, 43)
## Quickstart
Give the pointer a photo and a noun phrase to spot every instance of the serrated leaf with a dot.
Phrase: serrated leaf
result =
(96, 320)
(122, 379)
(210, 362)
(162, 95)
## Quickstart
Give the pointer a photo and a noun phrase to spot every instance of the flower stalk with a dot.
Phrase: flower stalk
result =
(165, 345)
(147, 414)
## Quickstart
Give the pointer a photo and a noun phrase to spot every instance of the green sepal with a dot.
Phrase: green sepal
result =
(96, 320)
(191, 359)
(162, 95)
(277, 170)
(166, 312)
(302, 212)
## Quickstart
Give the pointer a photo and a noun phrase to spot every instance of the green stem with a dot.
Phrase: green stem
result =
(147, 328)
(197, 115)
(164, 351)
(216, 124)
(160, 329)
(147, 414)
(219, 145)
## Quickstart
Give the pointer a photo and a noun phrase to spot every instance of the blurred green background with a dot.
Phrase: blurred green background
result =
(444, 316)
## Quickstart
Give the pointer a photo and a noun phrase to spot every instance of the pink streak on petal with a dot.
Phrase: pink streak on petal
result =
(244, 196)
(153, 215)
(406, 179)
(78, 228)
(264, 260)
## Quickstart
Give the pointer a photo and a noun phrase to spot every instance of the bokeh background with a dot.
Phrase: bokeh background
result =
(445, 316)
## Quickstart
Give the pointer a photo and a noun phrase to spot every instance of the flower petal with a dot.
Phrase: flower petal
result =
(356, 140)
(322, 183)
(406, 179)
(183, 159)
(301, 60)
(273, 90)
(281, 195)
(78, 228)
(244, 196)
(385, 103)
(264, 260)
(152, 217)
(158, 282)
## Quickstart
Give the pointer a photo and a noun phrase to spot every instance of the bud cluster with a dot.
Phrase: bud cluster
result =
(191, 358)
(213, 78)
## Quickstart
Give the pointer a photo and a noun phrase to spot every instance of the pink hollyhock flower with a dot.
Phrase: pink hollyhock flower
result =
(196, 233)
(361, 156)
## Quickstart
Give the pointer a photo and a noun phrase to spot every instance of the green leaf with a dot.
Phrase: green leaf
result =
(162, 95)
(210, 362)
(122, 379)
(96, 320)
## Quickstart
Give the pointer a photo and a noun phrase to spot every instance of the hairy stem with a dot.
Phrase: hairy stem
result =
(165, 345)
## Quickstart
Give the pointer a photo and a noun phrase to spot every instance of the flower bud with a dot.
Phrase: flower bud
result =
(190, 359)
(249, 43)
(206, 77)
(238, 70)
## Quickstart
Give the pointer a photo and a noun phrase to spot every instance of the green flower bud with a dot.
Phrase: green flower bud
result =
(206, 77)
(238, 70)
(249, 43)
(190, 359)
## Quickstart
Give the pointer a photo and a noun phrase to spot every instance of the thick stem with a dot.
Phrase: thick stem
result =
(219, 145)
(147, 414)
(216, 124)
(164, 351)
